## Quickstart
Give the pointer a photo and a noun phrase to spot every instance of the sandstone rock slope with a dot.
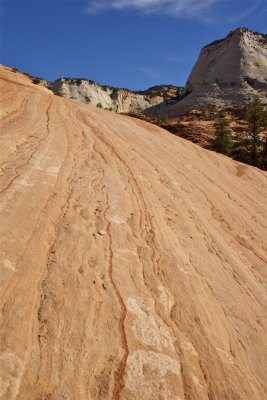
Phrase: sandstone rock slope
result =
(119, 100)
(133, 263)
(228, 71)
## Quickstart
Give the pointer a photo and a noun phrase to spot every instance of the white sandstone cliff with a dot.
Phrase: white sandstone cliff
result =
(119, 100)
(228, 71)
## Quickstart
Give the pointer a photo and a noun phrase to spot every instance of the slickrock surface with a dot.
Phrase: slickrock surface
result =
(107, 97)
(231, 70)
(133, 263)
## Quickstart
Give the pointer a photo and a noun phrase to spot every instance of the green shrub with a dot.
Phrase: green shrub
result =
(36, 80)
(222, 141)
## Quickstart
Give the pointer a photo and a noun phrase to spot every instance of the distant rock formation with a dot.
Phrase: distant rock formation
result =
(228, 71)
(107, 97)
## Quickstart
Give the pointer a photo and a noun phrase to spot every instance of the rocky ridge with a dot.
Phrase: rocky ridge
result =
(114, 99)
(228, 71)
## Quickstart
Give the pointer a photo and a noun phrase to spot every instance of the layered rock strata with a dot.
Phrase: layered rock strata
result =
(133, 263)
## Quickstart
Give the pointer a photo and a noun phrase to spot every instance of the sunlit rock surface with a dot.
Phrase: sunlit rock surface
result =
(228, 71)
(133, 263)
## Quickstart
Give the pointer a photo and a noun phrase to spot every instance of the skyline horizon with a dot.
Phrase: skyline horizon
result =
(125, 44)
(125, 88)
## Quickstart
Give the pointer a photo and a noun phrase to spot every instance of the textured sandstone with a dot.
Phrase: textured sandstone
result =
(230, 71)
(133, 263)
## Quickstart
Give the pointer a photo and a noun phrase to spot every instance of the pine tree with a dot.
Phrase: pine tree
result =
(222, 141)
(263, 163)
(256, 117)
(251, 139)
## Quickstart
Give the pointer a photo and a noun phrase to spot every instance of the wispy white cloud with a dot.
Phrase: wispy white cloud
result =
(204, 10)
(149, 72)
(173, 59)
(247, 11)
(179, 8)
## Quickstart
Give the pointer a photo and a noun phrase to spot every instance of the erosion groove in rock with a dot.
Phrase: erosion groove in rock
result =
(133, 263)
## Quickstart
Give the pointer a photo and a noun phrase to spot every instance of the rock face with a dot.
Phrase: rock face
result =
(228, 71)
(119, 100)
(133, 263)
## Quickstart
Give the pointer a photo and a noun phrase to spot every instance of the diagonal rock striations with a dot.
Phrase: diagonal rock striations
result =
(133, 263)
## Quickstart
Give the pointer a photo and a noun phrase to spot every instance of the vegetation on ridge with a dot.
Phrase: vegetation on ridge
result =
(213, 43)
(222, 141)
(248, 143)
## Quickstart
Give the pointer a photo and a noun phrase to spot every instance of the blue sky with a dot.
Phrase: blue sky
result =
(123, 43)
